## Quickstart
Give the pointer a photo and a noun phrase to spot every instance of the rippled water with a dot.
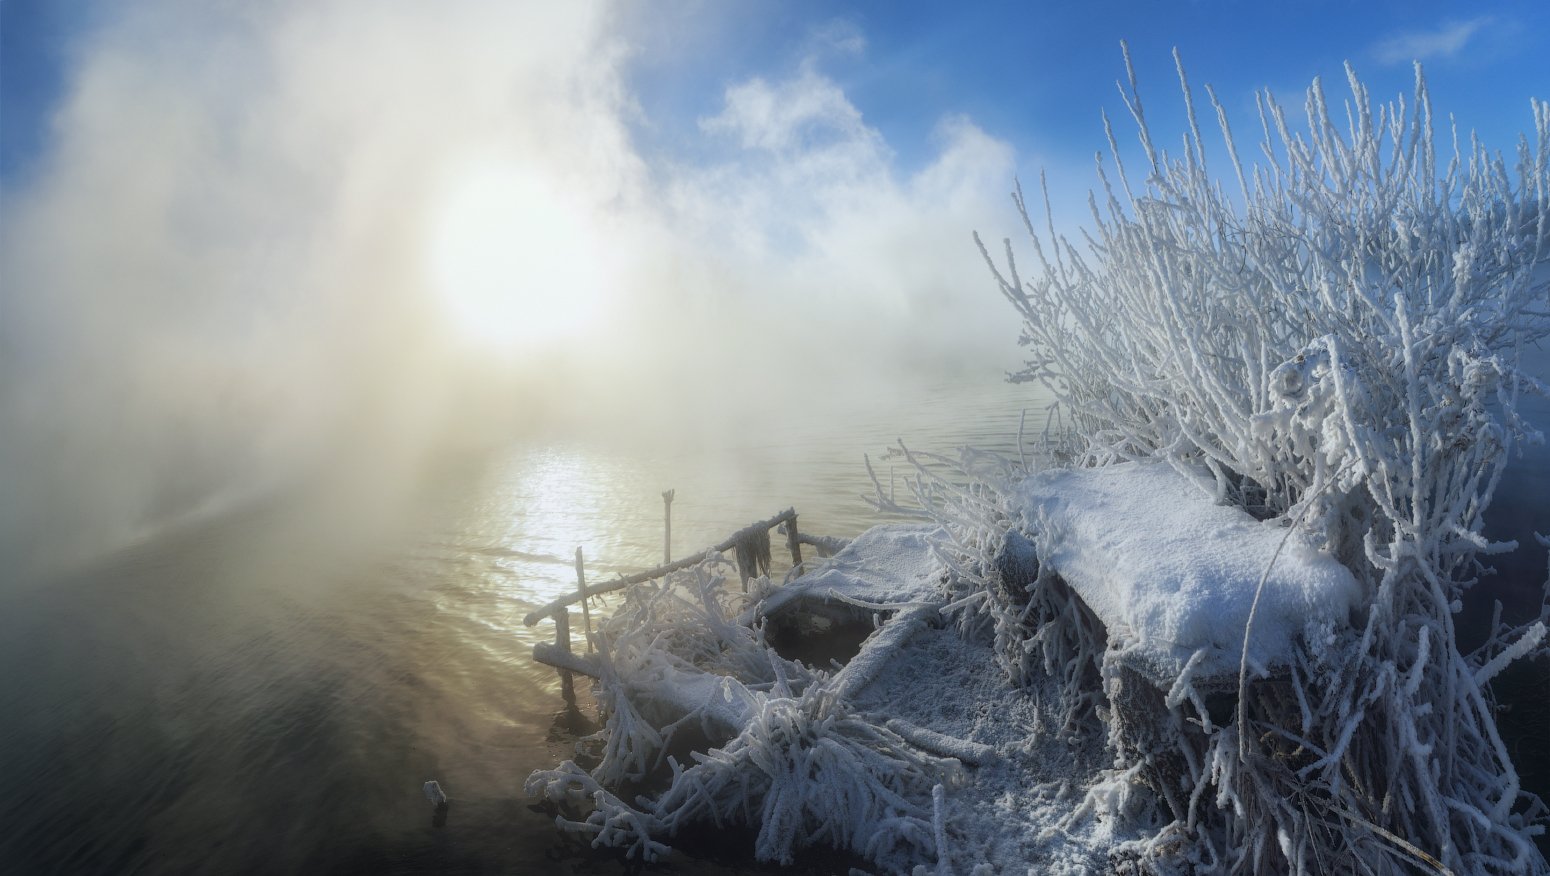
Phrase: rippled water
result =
(254, 695)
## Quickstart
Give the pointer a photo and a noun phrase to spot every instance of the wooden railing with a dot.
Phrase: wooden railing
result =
(560, 655)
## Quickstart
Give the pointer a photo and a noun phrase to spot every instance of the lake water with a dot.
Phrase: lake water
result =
(259, 694)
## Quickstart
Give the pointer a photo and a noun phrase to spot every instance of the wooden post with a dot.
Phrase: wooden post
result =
(667, 531)
(562, 639)
(796, 546)
(581, 587)
(562, 629)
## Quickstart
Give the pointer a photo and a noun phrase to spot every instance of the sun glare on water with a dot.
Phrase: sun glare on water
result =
(516, 261)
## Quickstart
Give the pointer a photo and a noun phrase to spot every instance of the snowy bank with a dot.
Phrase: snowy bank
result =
(1172, 575)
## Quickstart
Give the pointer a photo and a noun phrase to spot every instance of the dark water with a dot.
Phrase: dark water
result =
(267, 692)
(1520, 511)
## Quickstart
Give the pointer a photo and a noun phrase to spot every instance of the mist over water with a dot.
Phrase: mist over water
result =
(265, 690)
(267, 240)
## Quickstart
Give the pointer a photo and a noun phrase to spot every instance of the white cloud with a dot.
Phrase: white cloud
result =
(812, 207)
(807, 113)
(1445, 41)
(215, 278)
(840, 37)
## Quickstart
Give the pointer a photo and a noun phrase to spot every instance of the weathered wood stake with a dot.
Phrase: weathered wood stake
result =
(562, 629)
(581, 587)
(795, 545)
(562, 641)
(667, 531)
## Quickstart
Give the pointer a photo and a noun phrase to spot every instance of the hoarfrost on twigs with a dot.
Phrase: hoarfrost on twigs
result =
(1334, 342)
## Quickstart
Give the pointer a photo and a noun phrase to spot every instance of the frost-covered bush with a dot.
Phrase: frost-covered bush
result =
(1192, 313)
(1334, 336)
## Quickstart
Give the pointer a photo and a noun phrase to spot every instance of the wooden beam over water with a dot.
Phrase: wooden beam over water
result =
(565, 661)
(563, 602)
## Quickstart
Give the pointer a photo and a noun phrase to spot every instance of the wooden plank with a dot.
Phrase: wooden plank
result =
(619, 583)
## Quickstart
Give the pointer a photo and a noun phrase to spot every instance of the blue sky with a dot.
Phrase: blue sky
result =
(1038, 75)
(1035, 75)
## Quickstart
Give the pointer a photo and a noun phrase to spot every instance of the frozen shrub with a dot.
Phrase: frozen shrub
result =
(1333, 335)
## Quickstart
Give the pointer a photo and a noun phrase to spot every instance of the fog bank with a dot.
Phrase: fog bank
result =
(272, 243)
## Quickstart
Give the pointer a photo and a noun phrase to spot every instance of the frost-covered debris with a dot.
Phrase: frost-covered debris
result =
(1166, 568)
(1013, 814)
(808, 772)
(783, 751)
(674, 660)
(920, 752)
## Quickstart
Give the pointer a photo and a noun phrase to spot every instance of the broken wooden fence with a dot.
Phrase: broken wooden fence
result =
(752, 547)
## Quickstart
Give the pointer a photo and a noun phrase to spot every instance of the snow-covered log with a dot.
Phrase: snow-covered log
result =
(1175, 576)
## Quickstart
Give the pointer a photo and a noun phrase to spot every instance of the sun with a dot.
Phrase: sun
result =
(517, 263)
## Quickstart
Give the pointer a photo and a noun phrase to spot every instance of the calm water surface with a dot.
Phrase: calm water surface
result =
(261, 695)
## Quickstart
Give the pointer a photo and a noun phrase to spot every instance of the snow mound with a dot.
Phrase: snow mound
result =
(1172, 575)
(888, 565)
